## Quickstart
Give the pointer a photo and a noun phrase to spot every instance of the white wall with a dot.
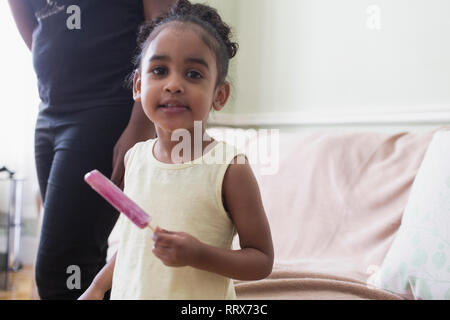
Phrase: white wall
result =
(314, 61)
(302, 62)
(19, 106)
(19, 103)
(307, 61)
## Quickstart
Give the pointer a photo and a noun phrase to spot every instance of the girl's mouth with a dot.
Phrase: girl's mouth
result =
(172, 108)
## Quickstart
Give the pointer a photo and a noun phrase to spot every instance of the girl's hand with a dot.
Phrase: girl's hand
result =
(176, 249)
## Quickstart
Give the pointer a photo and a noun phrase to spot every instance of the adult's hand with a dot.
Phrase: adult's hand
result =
(139, 128)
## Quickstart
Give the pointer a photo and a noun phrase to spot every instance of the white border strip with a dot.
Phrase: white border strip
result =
(437, 116)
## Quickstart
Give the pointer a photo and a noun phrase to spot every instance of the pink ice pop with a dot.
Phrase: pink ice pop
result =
(117, 198)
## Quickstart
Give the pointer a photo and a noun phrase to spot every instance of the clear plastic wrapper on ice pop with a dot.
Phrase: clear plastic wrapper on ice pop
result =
(111, 193)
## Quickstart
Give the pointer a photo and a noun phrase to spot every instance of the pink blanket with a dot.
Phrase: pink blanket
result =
(334, 208)
(292, 285)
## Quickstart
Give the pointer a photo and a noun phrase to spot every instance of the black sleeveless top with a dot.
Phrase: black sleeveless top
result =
(83, 50)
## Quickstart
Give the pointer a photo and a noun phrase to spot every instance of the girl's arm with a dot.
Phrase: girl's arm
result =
(102, 282)
(255, 258)
(243, 201)
(25, 20)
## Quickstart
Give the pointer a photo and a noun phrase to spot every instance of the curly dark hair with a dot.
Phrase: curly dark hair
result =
(216, 34)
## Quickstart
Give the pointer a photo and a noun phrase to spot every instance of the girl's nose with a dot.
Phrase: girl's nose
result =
(174, 85)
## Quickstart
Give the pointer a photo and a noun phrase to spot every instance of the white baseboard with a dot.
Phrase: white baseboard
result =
(436, 116)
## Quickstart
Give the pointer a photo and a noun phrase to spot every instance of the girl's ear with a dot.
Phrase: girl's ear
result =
(221, 96)
(137, 86)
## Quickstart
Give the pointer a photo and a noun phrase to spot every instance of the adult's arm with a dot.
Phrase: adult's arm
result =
(139, 127)
(101, 283)
(153, 8)
(25, 20)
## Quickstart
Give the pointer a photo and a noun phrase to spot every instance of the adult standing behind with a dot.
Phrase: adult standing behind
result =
(82, 52)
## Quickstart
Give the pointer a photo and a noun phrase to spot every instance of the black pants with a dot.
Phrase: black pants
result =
(77, 221)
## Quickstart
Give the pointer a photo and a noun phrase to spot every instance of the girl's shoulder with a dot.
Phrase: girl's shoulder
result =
(140, 146)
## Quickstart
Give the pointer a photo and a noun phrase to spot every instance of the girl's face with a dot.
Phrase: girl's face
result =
(177, 81)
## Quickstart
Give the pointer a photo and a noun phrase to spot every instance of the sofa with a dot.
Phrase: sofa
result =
(335, 203)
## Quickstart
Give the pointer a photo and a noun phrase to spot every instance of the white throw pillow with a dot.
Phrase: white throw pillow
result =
(417, 266)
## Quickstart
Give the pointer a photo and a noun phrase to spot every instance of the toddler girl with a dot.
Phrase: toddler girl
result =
(196, 192)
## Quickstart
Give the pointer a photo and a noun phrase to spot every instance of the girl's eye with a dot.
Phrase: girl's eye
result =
(194, 75)
(159, 71)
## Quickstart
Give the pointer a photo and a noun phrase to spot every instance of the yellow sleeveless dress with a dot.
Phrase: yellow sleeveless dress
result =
(183, 197)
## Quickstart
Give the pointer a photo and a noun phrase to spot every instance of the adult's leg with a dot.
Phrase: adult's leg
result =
(77, 221)
(43, 151)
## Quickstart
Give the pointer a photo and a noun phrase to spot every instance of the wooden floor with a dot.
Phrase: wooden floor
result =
(20, 285)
